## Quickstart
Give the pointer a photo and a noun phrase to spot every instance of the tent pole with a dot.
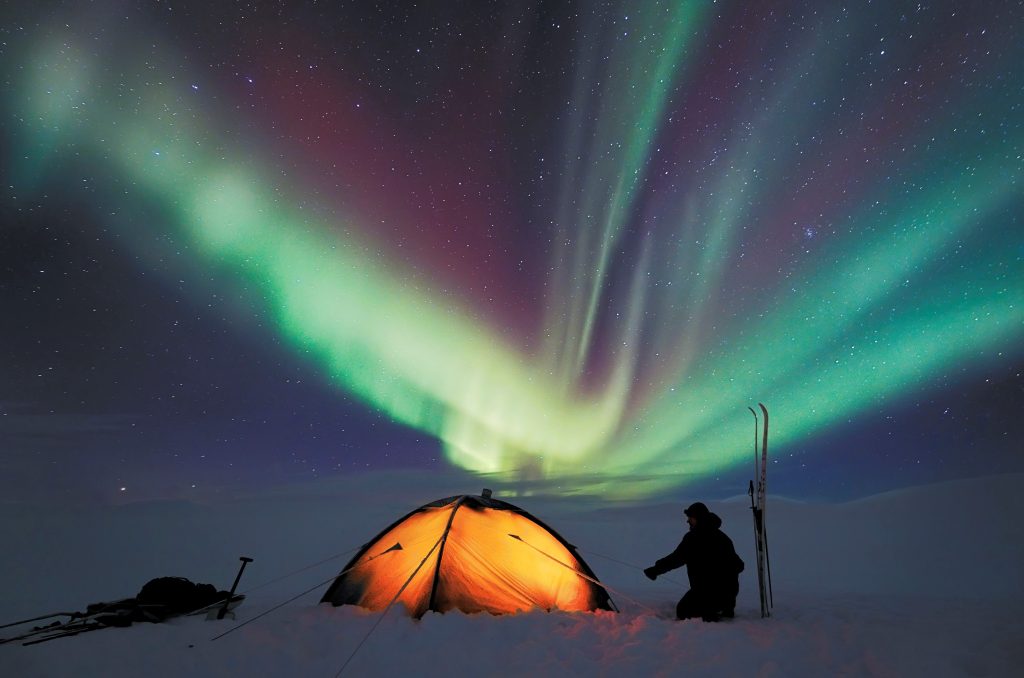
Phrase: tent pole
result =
(440, 553)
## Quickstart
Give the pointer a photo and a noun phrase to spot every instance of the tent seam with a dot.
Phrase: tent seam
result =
(440, 553)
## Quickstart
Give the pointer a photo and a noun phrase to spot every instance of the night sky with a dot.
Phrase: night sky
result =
(245, 245)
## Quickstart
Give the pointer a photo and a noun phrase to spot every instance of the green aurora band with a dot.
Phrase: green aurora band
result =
(884, 309)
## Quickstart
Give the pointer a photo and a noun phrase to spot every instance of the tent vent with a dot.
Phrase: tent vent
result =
(486, 494)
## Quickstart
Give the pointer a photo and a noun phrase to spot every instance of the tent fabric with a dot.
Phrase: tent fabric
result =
(470, 553)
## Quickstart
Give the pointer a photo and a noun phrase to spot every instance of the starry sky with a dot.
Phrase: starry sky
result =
(560, 244)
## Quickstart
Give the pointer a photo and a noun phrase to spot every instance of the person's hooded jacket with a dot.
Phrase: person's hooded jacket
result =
(709, 556)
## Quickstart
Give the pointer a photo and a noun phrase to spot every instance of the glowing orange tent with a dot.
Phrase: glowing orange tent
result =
(470, 553)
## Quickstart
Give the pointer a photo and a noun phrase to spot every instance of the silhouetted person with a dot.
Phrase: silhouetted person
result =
(711, 565)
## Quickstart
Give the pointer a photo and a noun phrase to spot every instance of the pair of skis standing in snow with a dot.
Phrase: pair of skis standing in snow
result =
(764, 570)
(712, 565)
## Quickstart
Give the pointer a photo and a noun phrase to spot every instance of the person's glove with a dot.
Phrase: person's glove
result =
(651, 573)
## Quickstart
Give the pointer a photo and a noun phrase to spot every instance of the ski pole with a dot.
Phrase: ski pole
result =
(227, 601)
(66, 633)
(754, 508)
(45, 616)
(758, 547)
(755, 441)
(761, 504)
(768, 566)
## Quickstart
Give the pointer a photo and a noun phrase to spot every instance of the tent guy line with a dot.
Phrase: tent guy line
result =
(395, 598)
(396, 547)
(276, 607)
(638, 568)
(592, 580)
(301, 570)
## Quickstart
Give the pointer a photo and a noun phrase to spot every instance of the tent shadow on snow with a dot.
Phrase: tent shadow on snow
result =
(471, 553)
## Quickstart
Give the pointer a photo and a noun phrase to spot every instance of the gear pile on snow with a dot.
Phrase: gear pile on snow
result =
(159, 600)
(166, 597)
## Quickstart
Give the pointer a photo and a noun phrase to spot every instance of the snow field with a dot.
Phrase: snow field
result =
(926, 581)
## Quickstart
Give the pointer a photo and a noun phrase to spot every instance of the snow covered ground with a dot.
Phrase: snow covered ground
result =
(924, 581)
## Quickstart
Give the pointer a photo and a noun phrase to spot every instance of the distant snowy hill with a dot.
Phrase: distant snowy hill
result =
(923, 581)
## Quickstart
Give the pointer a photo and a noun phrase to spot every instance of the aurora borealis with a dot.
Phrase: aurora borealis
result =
(560, 242)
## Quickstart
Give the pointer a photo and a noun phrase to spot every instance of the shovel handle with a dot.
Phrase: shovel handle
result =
(231, 594)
